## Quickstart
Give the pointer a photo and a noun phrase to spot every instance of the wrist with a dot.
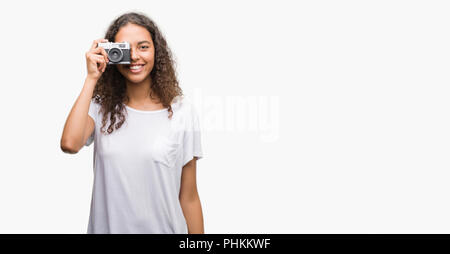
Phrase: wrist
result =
(91, 81)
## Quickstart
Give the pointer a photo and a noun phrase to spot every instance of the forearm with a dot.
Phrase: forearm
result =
(74, 127)
(192, 210)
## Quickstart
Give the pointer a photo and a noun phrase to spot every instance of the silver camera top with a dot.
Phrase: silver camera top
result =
(110, 45)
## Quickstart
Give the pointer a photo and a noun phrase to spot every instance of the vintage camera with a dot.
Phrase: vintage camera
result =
(118, 52)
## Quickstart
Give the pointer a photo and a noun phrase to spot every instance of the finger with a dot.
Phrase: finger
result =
(105, 55)
(95, 58)
(99, 61)
(97, 51)
(103, 66)
(101, 51)
(95, 43)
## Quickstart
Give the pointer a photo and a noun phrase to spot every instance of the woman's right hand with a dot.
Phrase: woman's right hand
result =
(96, 60)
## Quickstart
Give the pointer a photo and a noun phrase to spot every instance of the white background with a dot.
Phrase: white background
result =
(363, 119)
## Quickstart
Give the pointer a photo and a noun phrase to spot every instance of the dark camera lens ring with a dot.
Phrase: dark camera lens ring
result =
(112, 55)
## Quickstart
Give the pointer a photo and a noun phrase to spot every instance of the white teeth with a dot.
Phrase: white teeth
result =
(136, 67)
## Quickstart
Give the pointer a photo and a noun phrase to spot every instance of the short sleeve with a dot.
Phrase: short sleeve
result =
(93, 112)
(192, 146)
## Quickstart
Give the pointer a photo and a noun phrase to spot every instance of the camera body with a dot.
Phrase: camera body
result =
(118, 52)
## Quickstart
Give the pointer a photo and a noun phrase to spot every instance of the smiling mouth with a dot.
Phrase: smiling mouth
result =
(135, 68)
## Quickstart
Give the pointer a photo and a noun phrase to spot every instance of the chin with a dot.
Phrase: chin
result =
(135, 78)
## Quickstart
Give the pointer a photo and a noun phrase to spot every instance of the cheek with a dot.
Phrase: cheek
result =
(149, 57)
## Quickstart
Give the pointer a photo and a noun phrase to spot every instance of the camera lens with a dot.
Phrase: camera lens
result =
(115, 55)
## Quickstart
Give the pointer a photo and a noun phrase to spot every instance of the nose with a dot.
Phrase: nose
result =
(134, 55)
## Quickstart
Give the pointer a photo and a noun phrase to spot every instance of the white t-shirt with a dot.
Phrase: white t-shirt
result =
(137, 170)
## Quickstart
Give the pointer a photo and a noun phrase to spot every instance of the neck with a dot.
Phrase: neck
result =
(139, 93)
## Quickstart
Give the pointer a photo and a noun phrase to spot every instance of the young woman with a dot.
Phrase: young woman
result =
(145, 161)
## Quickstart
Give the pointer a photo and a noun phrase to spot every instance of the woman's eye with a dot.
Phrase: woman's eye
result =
(144, 47)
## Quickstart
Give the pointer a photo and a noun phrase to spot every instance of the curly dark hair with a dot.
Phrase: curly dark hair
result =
(110, 90)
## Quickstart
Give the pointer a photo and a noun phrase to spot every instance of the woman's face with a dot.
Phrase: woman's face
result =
(142, 52)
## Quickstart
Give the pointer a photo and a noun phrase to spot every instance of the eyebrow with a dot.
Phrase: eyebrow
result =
(143, 42)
